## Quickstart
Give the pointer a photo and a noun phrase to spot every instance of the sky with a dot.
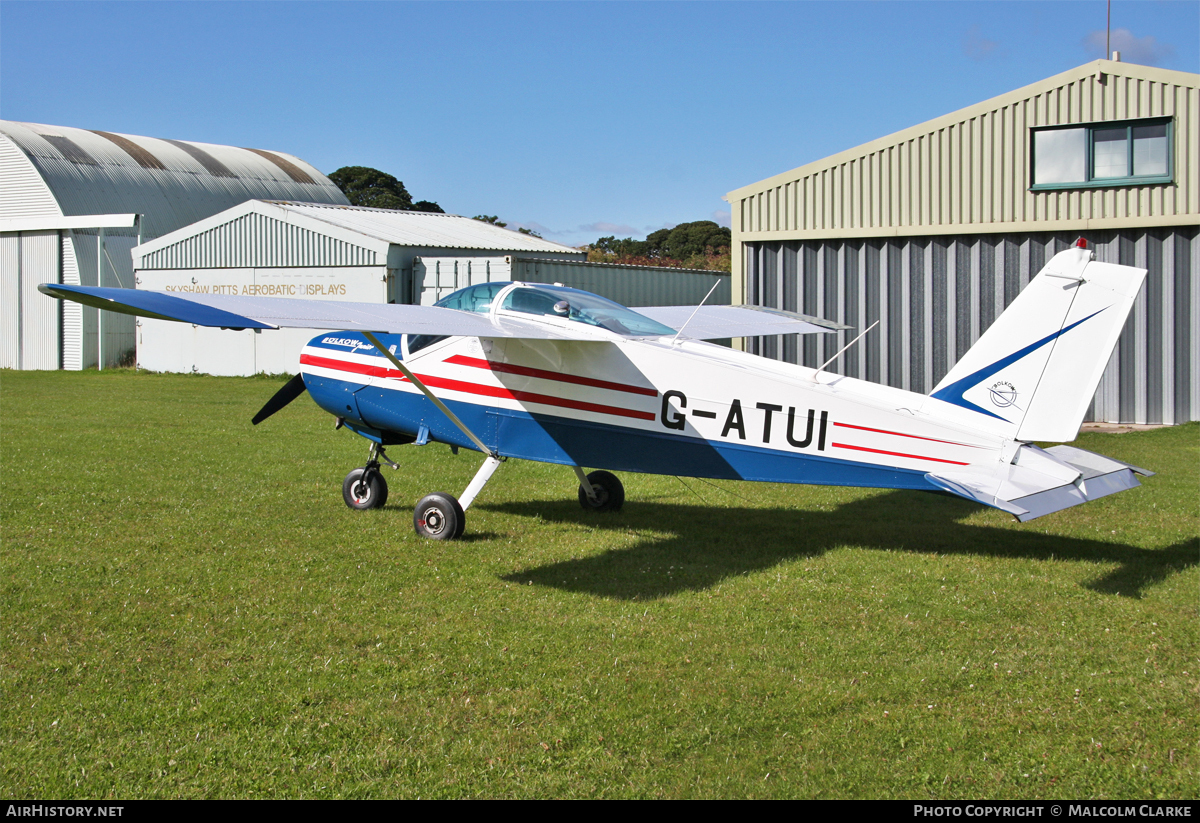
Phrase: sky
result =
(576, 119)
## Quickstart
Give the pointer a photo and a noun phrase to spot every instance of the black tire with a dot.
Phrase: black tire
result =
(439, 517)
(610, 494)
(362, 493)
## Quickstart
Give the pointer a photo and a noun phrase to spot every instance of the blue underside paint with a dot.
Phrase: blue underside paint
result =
(374, 413)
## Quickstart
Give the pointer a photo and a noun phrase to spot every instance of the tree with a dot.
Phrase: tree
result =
(627, 247)
(530, 232)
(689, 239)
(364, 186)
(427, 205)
(699, 245)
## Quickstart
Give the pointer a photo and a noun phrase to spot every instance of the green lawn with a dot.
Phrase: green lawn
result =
(189, 610)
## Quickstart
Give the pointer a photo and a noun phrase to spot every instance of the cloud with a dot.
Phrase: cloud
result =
(650, 229)
(1144, 50)
(534, 226)
(978, 47)
(721, 218)
(609, 228)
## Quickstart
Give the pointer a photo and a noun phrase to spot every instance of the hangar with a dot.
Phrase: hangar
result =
(74, 202)
(320, 251)
(933, 230)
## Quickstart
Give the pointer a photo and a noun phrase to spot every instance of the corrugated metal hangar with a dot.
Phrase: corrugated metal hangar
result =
(73, 203)
(933, 230)
(89, 207)
(306, 250)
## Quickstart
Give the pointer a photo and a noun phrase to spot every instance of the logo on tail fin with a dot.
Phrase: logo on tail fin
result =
(1003, 394)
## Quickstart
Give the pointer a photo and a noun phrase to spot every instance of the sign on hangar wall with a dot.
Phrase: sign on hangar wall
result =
(181, 347)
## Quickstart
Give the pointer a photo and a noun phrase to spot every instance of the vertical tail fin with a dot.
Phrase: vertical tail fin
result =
(1038, 365)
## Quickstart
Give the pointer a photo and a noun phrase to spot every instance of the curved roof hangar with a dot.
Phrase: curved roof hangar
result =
(63, 171)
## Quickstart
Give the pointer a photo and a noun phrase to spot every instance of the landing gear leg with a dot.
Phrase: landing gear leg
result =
(585, 486)
(444, 527)
(479, 481)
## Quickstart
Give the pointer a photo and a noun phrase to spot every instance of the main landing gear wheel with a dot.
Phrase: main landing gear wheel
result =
(610, 494)
(364, 489)
(439, 517)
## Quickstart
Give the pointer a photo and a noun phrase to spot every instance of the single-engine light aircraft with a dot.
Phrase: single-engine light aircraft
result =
(557, 375)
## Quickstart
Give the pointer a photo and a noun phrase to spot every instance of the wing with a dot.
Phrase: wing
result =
(238, 312)
(244, 312)
(716, 322)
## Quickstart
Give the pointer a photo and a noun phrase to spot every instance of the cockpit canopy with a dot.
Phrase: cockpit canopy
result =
(548, 301)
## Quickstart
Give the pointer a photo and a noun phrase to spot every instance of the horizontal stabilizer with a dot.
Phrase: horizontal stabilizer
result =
(1039, 481)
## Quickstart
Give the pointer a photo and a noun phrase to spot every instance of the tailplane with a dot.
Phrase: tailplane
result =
(1039, 482)
(1038, 365)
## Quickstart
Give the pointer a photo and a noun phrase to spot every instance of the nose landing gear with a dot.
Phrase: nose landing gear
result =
(366, 488)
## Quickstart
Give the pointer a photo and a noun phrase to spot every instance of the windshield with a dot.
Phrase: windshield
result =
(582, 307)
(477, 299)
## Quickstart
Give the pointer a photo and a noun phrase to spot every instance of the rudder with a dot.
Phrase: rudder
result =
(1038, 365)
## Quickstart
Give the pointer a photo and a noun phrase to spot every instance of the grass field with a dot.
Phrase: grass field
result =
(189, 610)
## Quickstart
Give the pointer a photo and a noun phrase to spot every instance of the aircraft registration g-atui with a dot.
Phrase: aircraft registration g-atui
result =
(558, 375)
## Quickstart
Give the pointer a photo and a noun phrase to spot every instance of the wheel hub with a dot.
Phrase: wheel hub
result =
(434, 521)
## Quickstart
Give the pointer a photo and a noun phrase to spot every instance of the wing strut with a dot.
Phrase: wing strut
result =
(676, 337)
(842, 349)
(432, 397)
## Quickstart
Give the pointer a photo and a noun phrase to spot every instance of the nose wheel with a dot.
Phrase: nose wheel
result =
(365, 489)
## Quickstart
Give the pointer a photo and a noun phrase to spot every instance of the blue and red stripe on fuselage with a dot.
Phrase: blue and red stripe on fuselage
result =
(543, 414)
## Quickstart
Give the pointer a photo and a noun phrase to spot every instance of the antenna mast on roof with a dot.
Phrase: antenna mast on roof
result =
(1108, 32)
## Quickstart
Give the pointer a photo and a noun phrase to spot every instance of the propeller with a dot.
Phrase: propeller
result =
(290, 391)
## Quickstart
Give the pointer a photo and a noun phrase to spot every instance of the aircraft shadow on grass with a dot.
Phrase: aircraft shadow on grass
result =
(707, 544)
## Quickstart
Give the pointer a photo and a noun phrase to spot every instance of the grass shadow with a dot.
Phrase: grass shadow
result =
(692, 547)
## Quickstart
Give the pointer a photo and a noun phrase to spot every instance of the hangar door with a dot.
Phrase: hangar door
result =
(436, 277)
(29, 321)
